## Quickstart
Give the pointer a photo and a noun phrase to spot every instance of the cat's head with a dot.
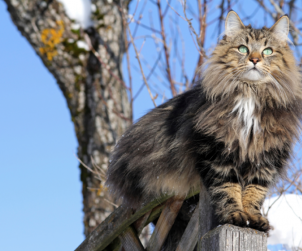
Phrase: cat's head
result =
(260, 58)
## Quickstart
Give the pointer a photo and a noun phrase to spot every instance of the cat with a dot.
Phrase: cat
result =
(235, 129)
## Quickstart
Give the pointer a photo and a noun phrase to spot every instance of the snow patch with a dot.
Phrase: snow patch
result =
(286, 218)
(83, 45)
(78, 10)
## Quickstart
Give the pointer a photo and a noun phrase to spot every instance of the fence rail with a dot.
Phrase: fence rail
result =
(121, 229)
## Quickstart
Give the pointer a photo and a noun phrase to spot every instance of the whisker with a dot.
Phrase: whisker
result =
(224, 80)
(266, 68)
(279, 87)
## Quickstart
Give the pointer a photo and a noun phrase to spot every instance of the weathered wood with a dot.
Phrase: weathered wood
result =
(141, 222)
(155, 213)
(130, 240)
(227, 237)
(190, 237)
(131, 233)
(107, 232)
(206, 215)
(232, 238)
(115, 224)
(164, 223)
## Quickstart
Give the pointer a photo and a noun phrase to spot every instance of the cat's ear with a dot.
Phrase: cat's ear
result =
(233, 24)
(281, 28)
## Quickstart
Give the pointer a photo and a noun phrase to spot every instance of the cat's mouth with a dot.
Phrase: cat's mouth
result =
(253, 74)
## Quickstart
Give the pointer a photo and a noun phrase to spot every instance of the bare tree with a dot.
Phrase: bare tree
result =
(100, 100)
(90, 85)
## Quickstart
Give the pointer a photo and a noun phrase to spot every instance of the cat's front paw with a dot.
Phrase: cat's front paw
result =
(260, 223)
(238, 218)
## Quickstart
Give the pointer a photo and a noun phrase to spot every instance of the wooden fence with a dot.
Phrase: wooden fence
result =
(121, 229)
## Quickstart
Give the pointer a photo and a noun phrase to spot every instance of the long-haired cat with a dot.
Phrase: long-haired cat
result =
(235, 129)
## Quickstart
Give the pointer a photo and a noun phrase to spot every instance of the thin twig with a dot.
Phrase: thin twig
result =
(292, 182)
(88, 168)
(141, 68)
(97, 55)
(184, 3)
(113, 204)
(166, 50)
(149, 75)
(94, 164)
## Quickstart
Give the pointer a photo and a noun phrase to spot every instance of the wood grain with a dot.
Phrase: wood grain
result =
(164, 223)
(233, 238)
(130, 240)
(107, 232)
(190, 237)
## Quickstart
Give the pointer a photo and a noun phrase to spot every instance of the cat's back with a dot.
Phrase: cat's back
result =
(152, 156)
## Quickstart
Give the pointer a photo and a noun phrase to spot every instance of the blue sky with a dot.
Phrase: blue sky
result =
(40, 184)
(40, 188)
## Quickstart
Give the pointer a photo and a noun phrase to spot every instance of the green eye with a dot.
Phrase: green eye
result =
(267, 51)
(243, 49)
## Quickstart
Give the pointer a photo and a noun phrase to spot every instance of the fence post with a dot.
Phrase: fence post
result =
(206, 214)
(226, 237)
(229, 238)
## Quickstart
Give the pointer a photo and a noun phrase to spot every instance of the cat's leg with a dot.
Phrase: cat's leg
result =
(226, 194)
(252, 199)
(258, 178)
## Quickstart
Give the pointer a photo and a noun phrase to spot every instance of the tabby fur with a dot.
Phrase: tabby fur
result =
(235, 129)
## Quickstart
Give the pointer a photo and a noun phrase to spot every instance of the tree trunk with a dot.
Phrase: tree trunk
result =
(93, 88)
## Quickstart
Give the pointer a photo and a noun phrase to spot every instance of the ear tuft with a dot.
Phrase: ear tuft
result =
(281, 28)
(233, 24)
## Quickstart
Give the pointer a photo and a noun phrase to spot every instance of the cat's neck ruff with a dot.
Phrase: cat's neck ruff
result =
(245, 108)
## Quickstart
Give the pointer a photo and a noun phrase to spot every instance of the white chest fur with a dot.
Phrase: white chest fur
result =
(245, 108)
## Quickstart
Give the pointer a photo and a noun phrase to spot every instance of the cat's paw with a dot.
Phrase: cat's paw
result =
(238, 218)
(260, 223)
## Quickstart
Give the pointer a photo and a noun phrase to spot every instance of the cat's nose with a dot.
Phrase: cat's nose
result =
(254, 60)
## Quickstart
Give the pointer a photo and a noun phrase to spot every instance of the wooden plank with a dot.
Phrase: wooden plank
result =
(155, 213)
(258, 241)
(242, 241)
(229, 241)
(131, 233)
(206, 215)
(115, 224)
(130, 240)
(108, 231)
(141, 223)
(236, 240)
(207, 219)
(164, 223)
(253, 243)
(190, 237)
(229, 237)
